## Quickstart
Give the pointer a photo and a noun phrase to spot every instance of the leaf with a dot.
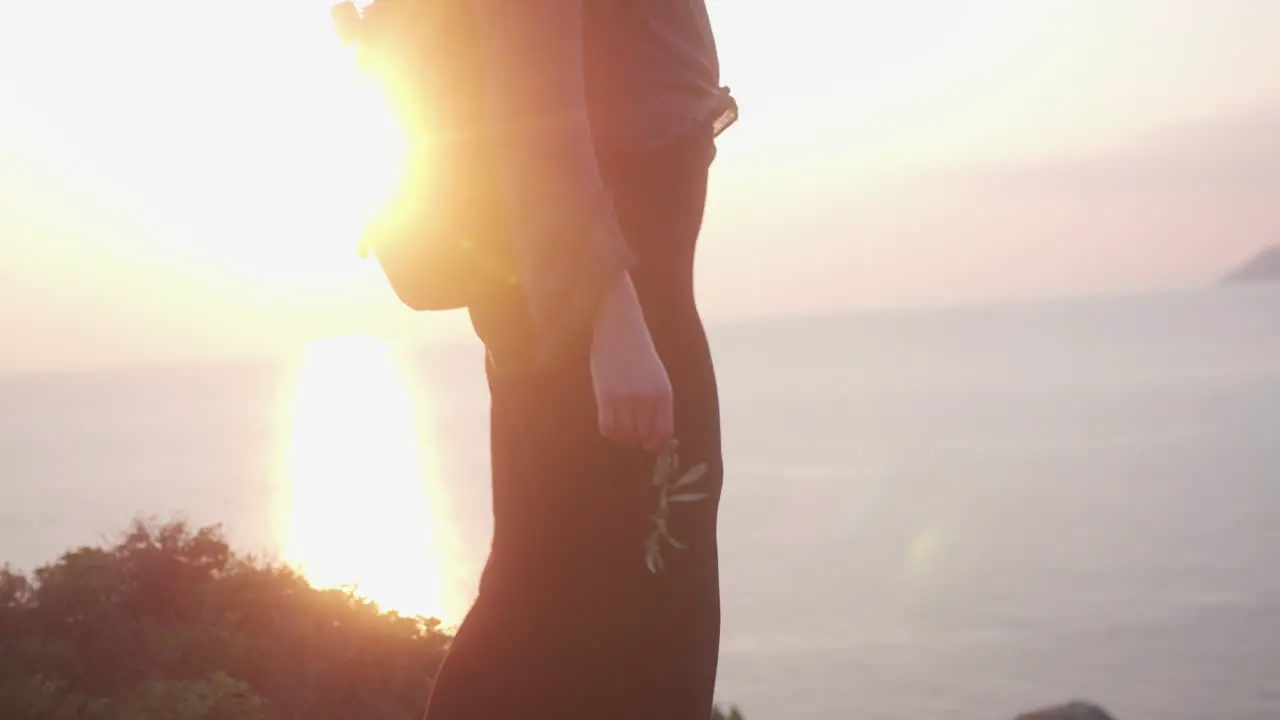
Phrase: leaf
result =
(694, 475)
(688, 497)
(654, 560)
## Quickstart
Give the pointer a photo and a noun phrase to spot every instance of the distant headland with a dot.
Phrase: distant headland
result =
(1261, 268)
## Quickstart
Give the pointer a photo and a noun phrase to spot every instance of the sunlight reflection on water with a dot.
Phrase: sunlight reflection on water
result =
(363, 507)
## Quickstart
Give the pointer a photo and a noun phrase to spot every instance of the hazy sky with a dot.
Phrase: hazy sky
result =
(180, 179)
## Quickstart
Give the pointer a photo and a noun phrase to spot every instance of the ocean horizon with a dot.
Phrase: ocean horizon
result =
(959, 512)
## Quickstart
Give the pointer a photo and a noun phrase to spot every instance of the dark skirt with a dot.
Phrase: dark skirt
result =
(570, 621)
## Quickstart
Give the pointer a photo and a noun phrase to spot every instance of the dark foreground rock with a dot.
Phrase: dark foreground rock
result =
(1070, 711)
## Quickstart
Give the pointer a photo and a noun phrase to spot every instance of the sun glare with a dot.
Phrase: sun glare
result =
(248, 138)
(363, 509)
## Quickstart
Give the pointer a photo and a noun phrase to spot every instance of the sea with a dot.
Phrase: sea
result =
(945, 513)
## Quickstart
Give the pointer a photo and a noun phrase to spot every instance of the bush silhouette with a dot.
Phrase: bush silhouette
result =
(170, 624)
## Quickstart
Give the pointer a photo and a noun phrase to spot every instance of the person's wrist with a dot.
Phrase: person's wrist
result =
(619, 317)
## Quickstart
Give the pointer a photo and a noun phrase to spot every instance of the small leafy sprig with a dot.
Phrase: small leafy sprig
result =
(672, 488)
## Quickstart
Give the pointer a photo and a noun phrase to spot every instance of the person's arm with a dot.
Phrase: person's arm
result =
(571, 257)
(568, 248)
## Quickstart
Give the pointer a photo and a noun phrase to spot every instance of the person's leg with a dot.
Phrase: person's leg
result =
(660, 199)
(570, 623)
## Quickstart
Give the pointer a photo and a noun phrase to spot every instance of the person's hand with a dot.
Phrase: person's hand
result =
(633, 392)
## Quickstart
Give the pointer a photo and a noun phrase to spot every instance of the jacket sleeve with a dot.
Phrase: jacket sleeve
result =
(567, 244)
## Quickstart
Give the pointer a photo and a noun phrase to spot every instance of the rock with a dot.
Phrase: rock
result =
(1263, 267)
(1070, 711)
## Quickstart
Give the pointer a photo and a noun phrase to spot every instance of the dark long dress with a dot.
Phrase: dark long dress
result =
(570, 622)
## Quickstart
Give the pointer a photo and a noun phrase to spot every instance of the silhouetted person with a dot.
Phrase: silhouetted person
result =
(595, 360)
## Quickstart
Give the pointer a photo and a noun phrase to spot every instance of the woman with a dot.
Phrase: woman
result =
(604, 114)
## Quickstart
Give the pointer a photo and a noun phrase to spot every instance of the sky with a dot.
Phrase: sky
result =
(186, 180)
